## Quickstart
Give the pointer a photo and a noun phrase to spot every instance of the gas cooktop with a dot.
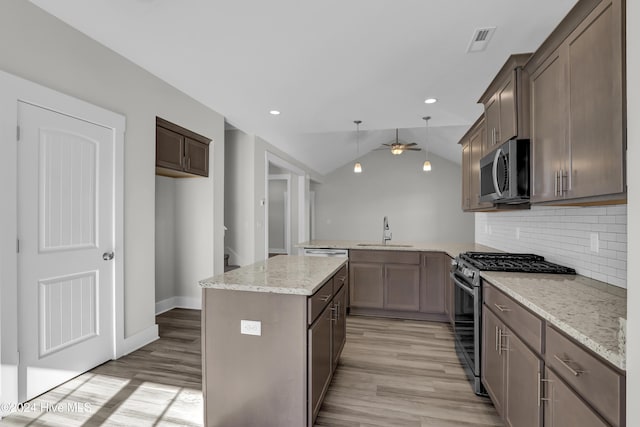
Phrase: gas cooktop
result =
(513, 262)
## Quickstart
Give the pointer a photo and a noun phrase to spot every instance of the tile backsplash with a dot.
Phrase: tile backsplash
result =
(592, 240)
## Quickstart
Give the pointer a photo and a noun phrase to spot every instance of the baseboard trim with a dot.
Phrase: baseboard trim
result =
(139, 340)
(193, 303)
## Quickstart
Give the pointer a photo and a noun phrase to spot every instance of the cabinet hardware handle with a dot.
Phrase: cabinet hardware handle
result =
(337, 311)
(500, 347)
(497, 338)
(540, 381)
(555, 184)
(561, 190)
(497, 131)
(502, 308)
(565, 363)
(334, 310)
(189, 163)
(325, 298)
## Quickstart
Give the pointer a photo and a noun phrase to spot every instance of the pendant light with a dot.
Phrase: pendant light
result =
(426, 166)
(357, 168)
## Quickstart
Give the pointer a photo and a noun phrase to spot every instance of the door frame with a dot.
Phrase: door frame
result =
(12, 90)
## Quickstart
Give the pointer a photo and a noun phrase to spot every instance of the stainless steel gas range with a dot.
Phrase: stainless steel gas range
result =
(465, 272)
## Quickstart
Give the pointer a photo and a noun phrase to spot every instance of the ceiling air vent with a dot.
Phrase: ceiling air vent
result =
(480, 39)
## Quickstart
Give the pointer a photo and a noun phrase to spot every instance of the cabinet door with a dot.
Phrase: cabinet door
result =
(402, 287)
(366, 281)
(320, 358)
(466, 165)
(564, 408)
(196, 157)
(493, 360)
(548, 128)
(169, 149)
(339, 324)
(523, 370)
(433, 276)
(492, 117)
(476, 144)
(508, 111)
(594, 52)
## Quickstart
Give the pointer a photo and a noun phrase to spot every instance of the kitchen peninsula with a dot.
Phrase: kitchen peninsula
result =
(272, 333)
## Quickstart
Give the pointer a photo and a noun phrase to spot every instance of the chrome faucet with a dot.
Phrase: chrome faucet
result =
(386, 233)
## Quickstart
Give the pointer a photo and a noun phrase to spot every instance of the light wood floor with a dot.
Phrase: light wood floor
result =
(392, 373)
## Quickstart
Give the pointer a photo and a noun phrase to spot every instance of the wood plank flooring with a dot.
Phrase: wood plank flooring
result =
(392, 373)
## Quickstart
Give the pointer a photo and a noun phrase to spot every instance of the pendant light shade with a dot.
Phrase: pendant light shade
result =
(357, 168)
(426, 166)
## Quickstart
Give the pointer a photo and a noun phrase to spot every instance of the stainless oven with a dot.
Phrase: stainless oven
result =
(468, 324)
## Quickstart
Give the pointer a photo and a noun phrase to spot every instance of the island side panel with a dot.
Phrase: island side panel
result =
(254, 380)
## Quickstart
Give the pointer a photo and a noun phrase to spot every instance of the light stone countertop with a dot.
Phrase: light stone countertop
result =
(592, 312)
(451, 249)
(283, 274)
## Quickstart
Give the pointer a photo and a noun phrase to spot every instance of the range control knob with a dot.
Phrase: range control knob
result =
(466, 272)
(454, 263)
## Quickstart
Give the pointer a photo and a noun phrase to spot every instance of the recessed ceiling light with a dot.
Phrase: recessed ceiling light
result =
(430, 101)
(274, 112)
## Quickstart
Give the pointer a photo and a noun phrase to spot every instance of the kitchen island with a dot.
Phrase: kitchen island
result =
(272, 334)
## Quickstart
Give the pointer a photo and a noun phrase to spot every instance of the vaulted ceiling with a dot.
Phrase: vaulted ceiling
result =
(323, 64)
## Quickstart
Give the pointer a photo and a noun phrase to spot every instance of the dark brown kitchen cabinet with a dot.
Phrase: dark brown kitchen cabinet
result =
(398, 283)
(511, 371)
(450, 291)
(433, 276)
(179, 151)
(577, 108)
(473, 148)
(340, 323)
(320, 359)
(506, 103)
(366, 283)
(402, 287)
(563, 407)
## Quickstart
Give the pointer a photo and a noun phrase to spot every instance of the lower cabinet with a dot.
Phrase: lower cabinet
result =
(510, 373)
(326, 338)
(320, 359)
(403, 284)
(563, 407)
(535, 375)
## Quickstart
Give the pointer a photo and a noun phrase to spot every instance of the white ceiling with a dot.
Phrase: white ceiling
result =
(323, 64)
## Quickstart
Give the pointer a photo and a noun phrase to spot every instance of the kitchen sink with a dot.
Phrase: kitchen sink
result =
(389, 245)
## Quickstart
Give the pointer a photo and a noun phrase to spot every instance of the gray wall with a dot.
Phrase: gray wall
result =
(40, 48)
(421, 206)
(277, 215)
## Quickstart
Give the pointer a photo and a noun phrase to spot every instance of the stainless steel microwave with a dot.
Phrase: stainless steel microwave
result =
(504, 173)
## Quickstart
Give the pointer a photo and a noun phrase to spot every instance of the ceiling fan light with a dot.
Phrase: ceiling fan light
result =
(357, 168)
(426, 166)
(396, 150)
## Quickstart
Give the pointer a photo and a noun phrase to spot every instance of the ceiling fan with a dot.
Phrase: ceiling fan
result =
(398, 147)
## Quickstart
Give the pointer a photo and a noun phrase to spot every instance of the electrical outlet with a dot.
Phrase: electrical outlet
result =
(251, 327)
(595, 243)
(517, 233)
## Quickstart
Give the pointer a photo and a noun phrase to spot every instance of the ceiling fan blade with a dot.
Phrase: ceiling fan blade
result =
(388, 145)
(410, 144)
(413, 149)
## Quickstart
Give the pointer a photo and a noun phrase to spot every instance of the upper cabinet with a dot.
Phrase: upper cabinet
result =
(506, 103)
(473, 148)
(577, 108)
(180, 152)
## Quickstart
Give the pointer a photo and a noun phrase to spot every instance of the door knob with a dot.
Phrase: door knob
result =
(107, 256)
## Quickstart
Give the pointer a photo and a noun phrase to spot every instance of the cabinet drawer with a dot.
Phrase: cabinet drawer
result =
(340, 279)
(387, 257)
(597, 383)
(517, 318)
(318, 301)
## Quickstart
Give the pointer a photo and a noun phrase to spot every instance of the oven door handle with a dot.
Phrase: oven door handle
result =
(468, 289)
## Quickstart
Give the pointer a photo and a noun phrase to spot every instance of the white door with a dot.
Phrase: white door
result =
(65, 229)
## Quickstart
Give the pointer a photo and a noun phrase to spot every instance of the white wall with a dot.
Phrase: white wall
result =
(421, 206)
(239, 239)
(40, 48)
(563, 235)
(277, 215)
(633, 210)
(165, 238)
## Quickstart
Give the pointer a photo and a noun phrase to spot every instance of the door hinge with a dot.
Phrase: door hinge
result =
(18, 133)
